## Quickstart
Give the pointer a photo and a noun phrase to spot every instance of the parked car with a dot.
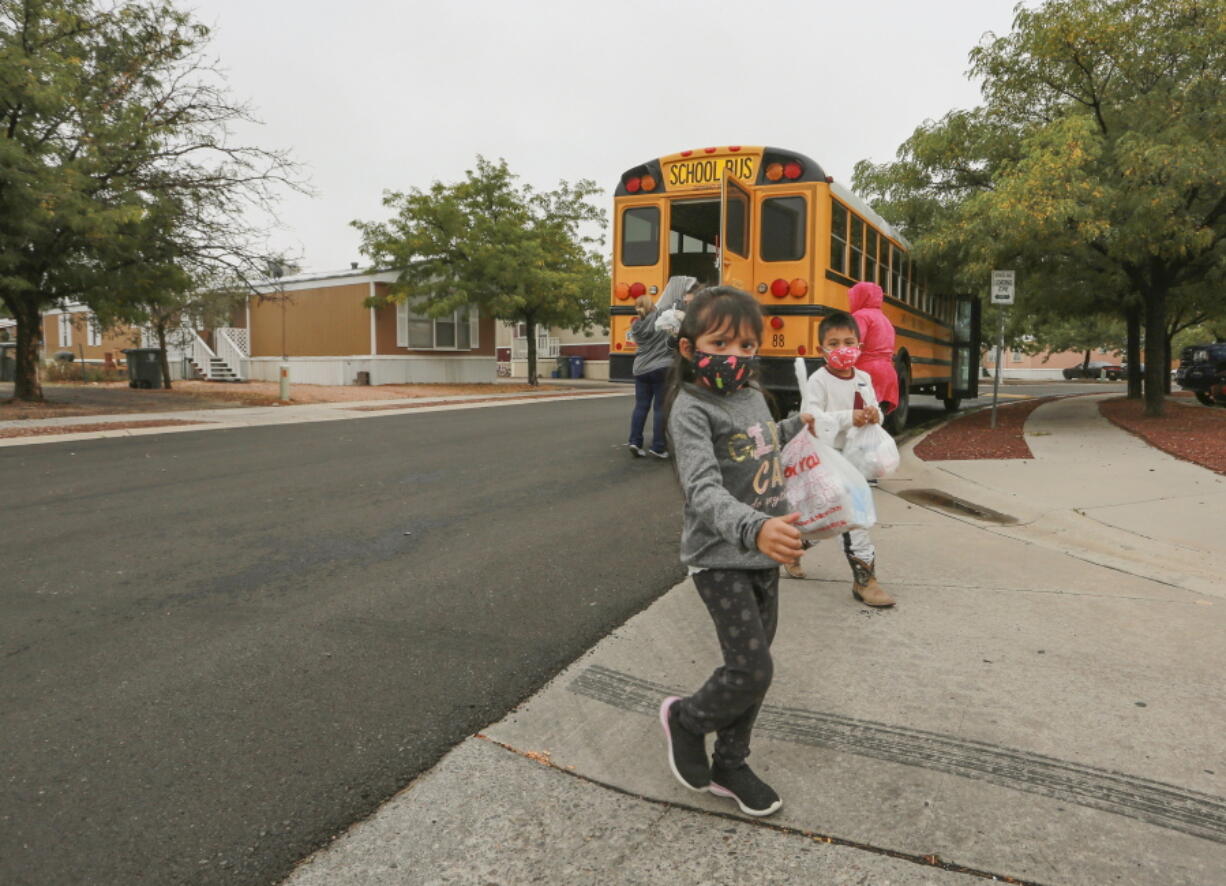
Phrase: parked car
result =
(1114, 371)
(1094, 369)
(1202, 370)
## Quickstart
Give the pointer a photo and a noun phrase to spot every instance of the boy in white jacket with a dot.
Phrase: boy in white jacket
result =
(844, 395)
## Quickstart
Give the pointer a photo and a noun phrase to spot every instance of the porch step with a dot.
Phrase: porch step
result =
(218, 370)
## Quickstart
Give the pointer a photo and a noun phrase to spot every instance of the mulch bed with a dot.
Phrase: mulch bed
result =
(972, 437)
(1192, 433)
(51, 430)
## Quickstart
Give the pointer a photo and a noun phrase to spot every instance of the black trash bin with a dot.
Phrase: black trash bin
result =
(144, 367)
(564, 367)
(576, 367)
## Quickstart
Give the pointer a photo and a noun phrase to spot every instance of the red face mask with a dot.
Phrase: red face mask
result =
(843, 358)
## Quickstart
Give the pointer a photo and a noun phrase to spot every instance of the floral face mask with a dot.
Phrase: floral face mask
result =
(843, 358)
(723, 373)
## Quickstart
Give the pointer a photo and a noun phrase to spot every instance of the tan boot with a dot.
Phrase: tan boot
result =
(864, 585)
(795, 570)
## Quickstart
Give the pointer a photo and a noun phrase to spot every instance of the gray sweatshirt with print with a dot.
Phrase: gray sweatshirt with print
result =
(727, 452)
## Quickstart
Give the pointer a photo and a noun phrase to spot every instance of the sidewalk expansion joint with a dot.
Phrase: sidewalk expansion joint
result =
(930, 861)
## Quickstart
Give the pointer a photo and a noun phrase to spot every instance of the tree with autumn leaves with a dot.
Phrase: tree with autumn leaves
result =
(121, 185)
(1096, 166)
(516, 253)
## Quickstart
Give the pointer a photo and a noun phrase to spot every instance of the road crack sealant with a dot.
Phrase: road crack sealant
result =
(544, 758)
(1155, 803)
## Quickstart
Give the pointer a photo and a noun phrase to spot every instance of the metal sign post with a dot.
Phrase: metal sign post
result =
(1002, 295)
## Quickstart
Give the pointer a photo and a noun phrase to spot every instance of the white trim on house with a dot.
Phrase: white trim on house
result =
(374, 339)
(383, 368)
(321, 280)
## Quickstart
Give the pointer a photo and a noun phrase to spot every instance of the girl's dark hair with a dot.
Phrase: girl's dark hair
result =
(713, 308)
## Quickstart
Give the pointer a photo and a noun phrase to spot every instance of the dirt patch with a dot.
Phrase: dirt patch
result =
(116, 398)
(538, 396)
(1192, 433)
(265, 393)
(52, 430)
(972, 437)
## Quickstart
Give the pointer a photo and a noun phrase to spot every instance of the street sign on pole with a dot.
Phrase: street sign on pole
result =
(1002, 287)
(1002, 295)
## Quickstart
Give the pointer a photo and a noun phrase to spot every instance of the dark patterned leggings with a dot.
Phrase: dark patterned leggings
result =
(744, 604)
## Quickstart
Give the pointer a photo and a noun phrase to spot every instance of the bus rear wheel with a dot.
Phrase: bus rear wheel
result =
(896, 421)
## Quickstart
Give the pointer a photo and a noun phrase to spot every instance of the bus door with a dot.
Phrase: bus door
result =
(965, 385)
(735, 255)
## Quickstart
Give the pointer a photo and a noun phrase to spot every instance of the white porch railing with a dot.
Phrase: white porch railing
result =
(201, 354)
(233, 346)
(546, 346)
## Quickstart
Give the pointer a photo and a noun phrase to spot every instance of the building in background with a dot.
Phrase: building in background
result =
(554, 342)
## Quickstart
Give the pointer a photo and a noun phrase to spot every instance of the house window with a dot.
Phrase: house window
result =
(457, 331)
(65, 330)
(93, 332)
(1017, 356)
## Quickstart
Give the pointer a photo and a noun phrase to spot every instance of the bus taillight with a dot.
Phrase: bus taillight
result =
(648, 183)
(780, 288)
(774, 172)
(634, 184)
(776, 322)
(793, 170)
(622, 291)
(798, 288)
(637, 289)
(801, 350)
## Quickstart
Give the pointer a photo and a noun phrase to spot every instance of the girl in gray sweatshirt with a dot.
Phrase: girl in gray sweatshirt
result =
(735, 534)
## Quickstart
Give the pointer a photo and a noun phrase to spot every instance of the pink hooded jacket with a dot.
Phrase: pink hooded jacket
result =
(876, 341)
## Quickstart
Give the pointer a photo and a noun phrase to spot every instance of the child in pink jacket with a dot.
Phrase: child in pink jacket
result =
(876, 342)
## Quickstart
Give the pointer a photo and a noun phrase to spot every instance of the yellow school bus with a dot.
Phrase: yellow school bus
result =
(771, 222)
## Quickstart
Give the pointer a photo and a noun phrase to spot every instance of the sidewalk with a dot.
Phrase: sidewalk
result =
(1044, 704)
(212, 419)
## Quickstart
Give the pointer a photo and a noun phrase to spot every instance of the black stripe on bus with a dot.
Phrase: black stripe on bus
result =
(931, 361)
(889, 299)
(919, 336)
(619, 311)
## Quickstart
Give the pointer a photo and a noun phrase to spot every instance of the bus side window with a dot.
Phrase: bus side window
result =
(641, 236)
(838, 237)
(885, 266)
(856, 271)
(896, 272)
(870, 257)
(783, 228)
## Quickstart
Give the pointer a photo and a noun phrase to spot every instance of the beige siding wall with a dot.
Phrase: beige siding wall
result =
(330, 320)
(113, 340)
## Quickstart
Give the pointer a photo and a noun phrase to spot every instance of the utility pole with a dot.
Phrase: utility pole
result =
(276, 270)
(1002, 296)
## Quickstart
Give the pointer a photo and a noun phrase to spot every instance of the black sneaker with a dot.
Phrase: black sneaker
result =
(752, 794)
(687, 751)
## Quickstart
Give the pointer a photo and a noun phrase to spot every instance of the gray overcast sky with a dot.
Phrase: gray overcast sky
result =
(372, 95)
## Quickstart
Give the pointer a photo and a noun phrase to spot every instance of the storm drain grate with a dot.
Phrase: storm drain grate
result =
(935, 498)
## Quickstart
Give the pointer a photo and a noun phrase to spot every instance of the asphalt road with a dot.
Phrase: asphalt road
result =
(222, 648)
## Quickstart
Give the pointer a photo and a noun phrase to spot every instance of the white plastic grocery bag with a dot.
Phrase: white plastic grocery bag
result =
(830, 495)
(871, 449)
